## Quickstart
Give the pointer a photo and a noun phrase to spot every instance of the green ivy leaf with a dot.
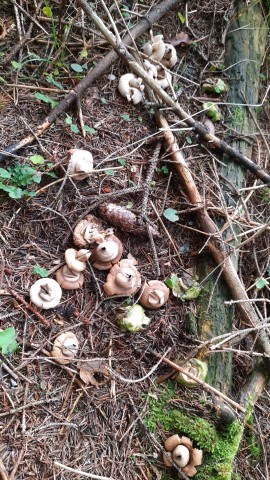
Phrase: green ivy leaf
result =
(109, 172)
(89, 129)
(4, 173)
(126, 117)
(37, 159)
(74, 128)
(171, 214)
(165, 169)
(68, 120)
(76, 67)
(16, 65)
(121, 161)
(46, 99)
(261, 283)
(189, 140)
(42, 272)
(8, 343)
(47, 11)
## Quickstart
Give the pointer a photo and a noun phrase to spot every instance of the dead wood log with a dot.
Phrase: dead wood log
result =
(123, 53)
(64, 105)
(244, 51)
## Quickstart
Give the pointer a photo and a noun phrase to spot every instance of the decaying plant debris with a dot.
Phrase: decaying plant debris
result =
(100, 411)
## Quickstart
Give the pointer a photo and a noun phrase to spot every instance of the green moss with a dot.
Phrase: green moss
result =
(219, 448)
(238, 117)
(252, 443)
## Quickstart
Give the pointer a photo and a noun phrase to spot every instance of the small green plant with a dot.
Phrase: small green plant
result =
(8, 344)
(45, 99)
(42, 272)
(15, 180)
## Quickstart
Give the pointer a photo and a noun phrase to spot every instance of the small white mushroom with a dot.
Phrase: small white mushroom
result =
(170, 56)
(76, 260)
(164, 78)
(155, 48)
(107, 253)
(45, 293)
(65, 348)
(131, 87)
(181, 456)
(80, 164)
(150, 68)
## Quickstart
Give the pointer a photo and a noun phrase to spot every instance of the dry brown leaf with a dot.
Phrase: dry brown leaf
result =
(89, 368)
(181, 39)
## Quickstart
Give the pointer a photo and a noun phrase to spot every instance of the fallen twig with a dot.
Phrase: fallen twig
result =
(84, 474)
(29, 307)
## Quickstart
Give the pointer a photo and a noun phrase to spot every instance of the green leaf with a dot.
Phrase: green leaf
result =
(121, 161)
(109, 172)
(171, 282)
(74, 128)
(165, 169)
(189, 140)
(84, 53)
(15, 192)
(36, 178)
(181, 18)
(42, 272)
(126, 117)
(52, 81)
(139, 118)
(4, 173)
(8, 343)
(261, 283)
(37, 159)
(3, 80)
(171, 214)
(68, 120)
(103, 100)
(76, 67)
(46, 99)
(47, 11)
(16, 65)
(217, 89)
(129, 205)
(89, 129)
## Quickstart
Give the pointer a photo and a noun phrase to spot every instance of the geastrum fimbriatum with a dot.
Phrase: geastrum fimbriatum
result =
(89, 230)
(65, 348)
(45, 293)
(169, 58)
(76, 260)
(68, 279)
(131, 87)
(123, 279)
(154, 294)
(164, 78)
(107, 253)
(181, 451)
(80, 164)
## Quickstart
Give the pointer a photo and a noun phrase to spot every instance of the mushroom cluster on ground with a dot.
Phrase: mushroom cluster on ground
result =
(161, 58)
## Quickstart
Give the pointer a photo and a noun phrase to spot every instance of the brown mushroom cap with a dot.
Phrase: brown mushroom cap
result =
(123, 279)
(154, 294)
(195, 458)
(107, 253)
(65, 348)
(89, 230)
(76, 260)
(68, 279)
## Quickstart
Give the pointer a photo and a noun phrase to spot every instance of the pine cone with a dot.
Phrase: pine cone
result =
(124, 219)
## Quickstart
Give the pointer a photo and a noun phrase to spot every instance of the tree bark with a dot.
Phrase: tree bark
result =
(244, 54)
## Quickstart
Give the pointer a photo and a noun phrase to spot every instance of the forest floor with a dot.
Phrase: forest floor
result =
(46, 414)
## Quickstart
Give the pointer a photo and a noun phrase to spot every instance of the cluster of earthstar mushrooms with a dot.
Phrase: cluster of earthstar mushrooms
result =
(161, 57)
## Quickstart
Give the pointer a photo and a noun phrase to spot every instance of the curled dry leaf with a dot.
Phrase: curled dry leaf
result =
(124, 219)
(181, 39)
(89, 368)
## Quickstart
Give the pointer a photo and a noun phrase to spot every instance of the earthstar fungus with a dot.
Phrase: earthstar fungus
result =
(89, 230)
(107, 253)
(65, 348)
(68, 279)
(45, 293)
(76, 259)
(154, 294)
(80, 164)
(123, 279)
(181, 451)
